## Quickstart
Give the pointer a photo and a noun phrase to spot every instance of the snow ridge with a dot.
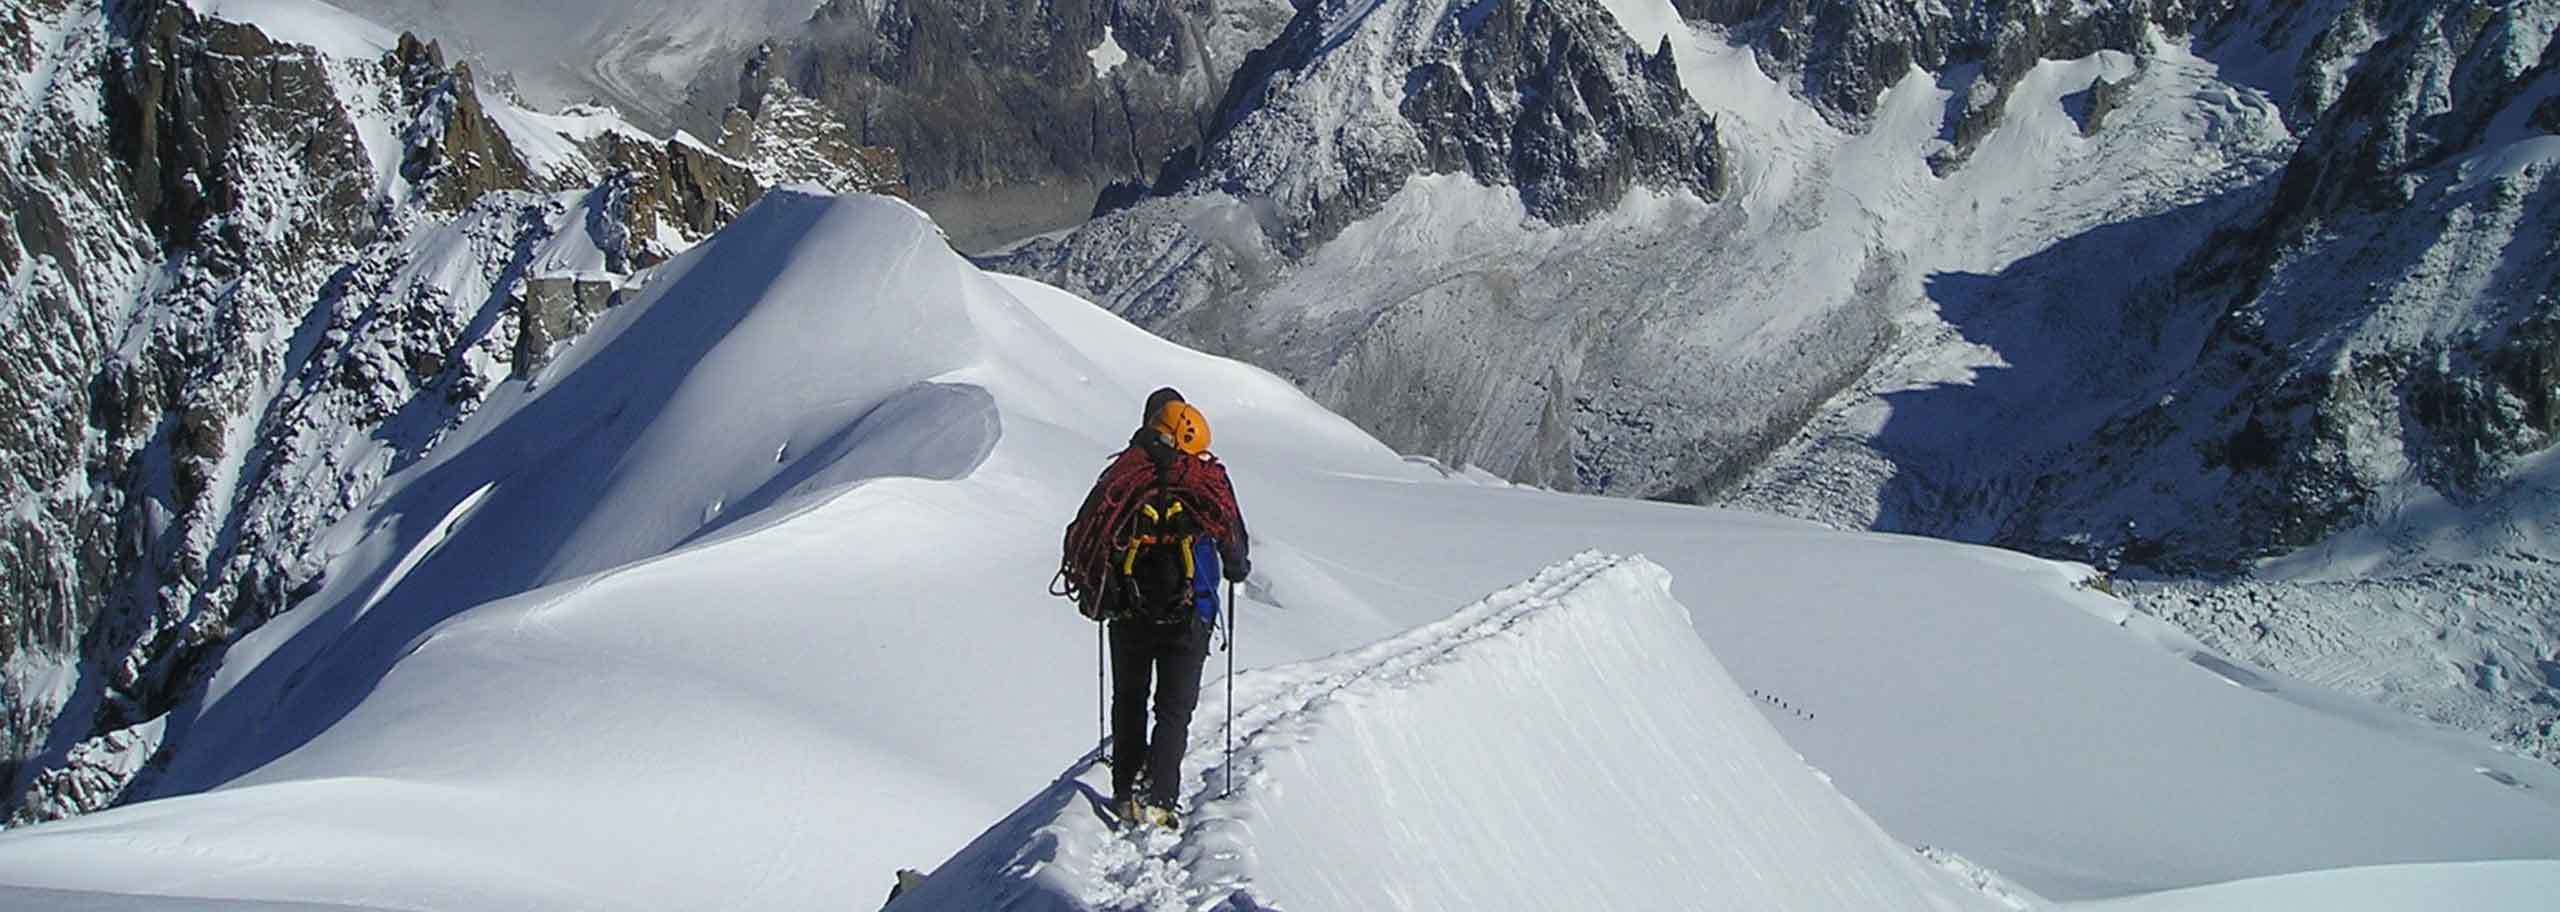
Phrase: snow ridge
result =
(1155, 869)
(1209, 860)
(1275, 837)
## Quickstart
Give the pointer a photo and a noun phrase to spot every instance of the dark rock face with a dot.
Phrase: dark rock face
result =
(1843, 54)
(1572, 72)
(979, 95)
(182, 98)
(211, 128)
(555, 310)
(1548, 96)
(677, 185)
(1847, 52)
(65, 204)
(453, 146)
(2378, 130)
(788, 138)
(934, 78)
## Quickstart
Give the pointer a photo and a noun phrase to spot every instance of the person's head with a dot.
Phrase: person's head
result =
(1182, 427)
(1155, 404)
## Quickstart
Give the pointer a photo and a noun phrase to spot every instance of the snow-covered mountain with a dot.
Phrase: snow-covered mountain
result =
(2339, 366)
(738, 602)
(2177, 288)
(329, 515)
(263, 255)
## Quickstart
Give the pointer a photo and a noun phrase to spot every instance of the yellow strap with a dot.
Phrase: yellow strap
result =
(1129, 558)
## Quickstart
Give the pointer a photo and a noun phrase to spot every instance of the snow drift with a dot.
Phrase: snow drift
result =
(1566, 743)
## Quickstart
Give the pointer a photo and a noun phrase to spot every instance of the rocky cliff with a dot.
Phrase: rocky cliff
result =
(1013, 120)
(1549, 98)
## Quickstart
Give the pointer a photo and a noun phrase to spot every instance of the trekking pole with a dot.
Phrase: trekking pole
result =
(1230, 763)
(1101, 691)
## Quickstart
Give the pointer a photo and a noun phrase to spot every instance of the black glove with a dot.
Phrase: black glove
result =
(1238, 569)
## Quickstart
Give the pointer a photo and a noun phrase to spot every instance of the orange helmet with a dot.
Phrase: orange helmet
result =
(1183, 426)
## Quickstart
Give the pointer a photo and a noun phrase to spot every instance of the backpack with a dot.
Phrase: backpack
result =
(1167, 563)
(1113, 551)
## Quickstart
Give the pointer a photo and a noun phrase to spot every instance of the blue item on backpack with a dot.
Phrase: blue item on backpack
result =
(1204, 578)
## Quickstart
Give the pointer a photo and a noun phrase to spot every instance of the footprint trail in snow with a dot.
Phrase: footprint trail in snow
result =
(1423, 772)
(1204, 866)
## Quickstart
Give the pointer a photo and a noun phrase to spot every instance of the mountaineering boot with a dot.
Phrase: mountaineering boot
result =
(1163, 817)
(1130, 811)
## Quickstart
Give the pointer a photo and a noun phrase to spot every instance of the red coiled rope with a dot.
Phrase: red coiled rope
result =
(1099, 531)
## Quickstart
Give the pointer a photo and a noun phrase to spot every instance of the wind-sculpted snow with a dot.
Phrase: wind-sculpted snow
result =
(667, 424)
(1565, 743)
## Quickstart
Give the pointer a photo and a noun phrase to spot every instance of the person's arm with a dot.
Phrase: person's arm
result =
(1235, 548)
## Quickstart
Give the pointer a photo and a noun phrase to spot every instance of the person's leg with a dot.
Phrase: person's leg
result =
(1131, 663)
(1177, 694)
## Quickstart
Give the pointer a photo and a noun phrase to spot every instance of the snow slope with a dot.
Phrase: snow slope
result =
(739, 603)
(1565, 743)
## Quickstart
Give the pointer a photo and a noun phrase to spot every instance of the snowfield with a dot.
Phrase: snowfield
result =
(740, 604)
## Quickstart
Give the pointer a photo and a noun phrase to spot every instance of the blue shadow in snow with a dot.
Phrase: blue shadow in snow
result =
(2083, 330)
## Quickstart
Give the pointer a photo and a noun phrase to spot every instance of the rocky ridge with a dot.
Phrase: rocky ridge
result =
(1844, 54)
(785, 137)
(1546, 97)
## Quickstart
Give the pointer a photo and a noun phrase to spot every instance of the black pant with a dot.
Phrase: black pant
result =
(1173, 655)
